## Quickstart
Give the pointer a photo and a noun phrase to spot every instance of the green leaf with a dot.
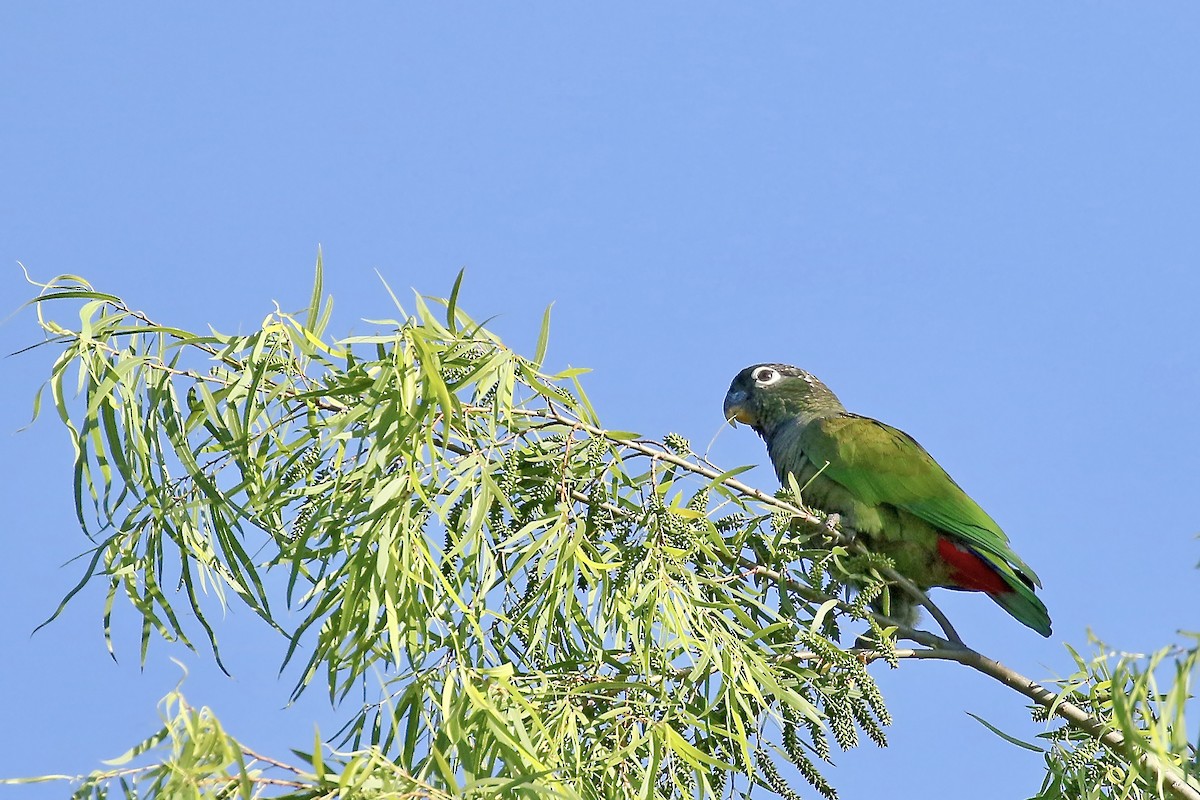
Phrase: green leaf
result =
(543, 341)
(311, 320)
(452, 303)
(546, 606)
(76, 294)
(1006, 737)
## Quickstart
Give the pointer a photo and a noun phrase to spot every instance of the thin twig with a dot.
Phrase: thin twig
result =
(269, 760)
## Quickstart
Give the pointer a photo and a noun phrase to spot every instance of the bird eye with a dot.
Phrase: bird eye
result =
(765, 376)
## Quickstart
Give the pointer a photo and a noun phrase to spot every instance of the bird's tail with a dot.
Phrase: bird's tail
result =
(983, 571)
(1022, 603)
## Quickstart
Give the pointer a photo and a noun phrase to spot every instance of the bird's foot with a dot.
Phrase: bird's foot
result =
(835, 530)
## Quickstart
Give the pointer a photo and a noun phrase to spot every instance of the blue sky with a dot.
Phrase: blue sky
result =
(978, 222)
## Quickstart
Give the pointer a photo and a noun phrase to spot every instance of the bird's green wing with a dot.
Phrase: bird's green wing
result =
(881, 464)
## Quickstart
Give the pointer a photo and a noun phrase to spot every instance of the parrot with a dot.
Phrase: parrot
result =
(886, 488)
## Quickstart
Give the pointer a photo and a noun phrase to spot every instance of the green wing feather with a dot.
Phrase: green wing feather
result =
(883, 465)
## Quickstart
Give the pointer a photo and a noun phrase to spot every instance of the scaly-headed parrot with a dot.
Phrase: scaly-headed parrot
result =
(886, 488)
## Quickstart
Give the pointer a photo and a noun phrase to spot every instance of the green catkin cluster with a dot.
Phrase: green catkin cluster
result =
(495, 517)
(864, 562)
(597, 518)
(796, 753)
(731, 522)
(792, 721)
(309, 507)
(674, 530)
(818, 569)
(885, 645)
(841, 722)
(520, 625)
(790, 550)
(1082, 760)
(824, 649)
(870, 691)
(791, 742)
(677, 444)
(303, 515)
(687, 781)
(472, 352)
(622, 530)
(858, 704)
(1083, 753)
(302, 468)
(786, 496)
(630, 557)
(718, 778)
(771, 777)
(452, 375)
(509, 472)
(781, 521)
(543, 491)
(594, 452)
(799, 758)
(862, 715)
(816, 779)
(454, 518)
(486, 398)
(562, 391)
(453, 522)
(819, 739)
(1060, 734)
(447, 561)
(864, 597)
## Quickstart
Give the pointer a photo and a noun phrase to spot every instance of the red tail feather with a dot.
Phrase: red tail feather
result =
(969, 571)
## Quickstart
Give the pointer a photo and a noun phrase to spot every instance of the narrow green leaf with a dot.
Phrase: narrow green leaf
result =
(77, 294)
(1006, 737)
(313, 315)
(543, 341)
(452, 303)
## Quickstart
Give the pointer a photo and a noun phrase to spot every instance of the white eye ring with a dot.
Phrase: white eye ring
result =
(765, 376)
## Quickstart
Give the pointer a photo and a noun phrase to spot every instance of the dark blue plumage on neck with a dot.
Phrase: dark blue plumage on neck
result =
(765, 396)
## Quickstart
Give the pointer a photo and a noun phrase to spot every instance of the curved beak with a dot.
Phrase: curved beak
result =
(735, 409)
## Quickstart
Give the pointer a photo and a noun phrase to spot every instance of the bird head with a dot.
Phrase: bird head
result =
(762, 395)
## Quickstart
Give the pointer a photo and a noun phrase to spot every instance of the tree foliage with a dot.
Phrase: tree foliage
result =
(559, 609)
(1141, 699)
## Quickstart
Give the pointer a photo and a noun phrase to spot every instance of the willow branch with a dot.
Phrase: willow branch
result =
(1173, 780)
(807, 592)
(950, 648)
(804, 515)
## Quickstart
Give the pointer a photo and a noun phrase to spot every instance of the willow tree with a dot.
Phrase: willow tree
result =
(559, 609)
